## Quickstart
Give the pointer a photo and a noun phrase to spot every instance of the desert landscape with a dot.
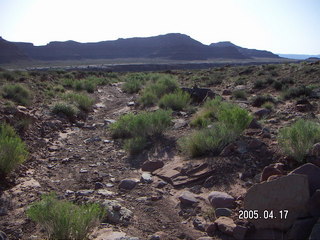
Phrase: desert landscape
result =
(227, 152)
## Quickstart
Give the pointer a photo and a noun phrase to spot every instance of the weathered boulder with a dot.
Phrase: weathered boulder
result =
(151, 166)
(314, 204)
(312, 172)
(227, 226)
(221, 200)
(115, 213)
(289, 193)
(270, 170)
(301, 229)
(222, 212)
(315, 234)
(128, 184)
(188, 198)
(199, 95)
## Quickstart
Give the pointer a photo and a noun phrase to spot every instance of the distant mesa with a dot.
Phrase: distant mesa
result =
(173, 46)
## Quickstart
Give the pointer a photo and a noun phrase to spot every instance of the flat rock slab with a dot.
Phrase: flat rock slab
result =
(289, 193)
(188, 198)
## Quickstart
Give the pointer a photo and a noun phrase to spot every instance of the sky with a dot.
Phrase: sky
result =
(280, 26)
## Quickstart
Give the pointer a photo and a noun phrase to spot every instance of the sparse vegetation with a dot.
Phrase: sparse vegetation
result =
(139, 127)
(17, 93)
(258, 101)
(157, 88)
(134, 82)
(297, 139)
(239, 94)
(82, 101)
(65, 110)
(13, 150)
(295, 92)
(178, 100)
(64, 220)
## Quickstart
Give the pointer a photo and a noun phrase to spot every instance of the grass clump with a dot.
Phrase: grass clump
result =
(206, 141)
(295, 92)
(17, 93)
(227, 121)
(239, 94)
(64, 220)
(65, 110)
(82, 101)
(157, 88)
(177, 101)
(13, 150)
(134, 82)
(258, 101)
(136, 129)
(297, 139)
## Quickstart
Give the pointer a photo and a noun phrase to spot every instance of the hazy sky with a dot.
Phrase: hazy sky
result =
(281, 26)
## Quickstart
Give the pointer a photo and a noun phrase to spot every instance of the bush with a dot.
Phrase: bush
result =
(178, 100)
(13, 150)
(64, 220)
(137, 128)
(65, 110)
(258, 101)
(83, 102)
(277, 85)
(268, 105)
(239, 94)
(134, 82)
(155, 90)
(297, 139)
(206, 141)
(17, 93)
(259, 84)
(295, 92)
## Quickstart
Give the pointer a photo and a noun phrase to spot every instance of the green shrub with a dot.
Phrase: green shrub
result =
(239, 94)
(178, 100)
(295, 92)
(206, 141)
(132, 86)
(268, 105)
(277, 85)
(297, 139)
(65, 110)
(82, 101)
(64, 220)
(155, 90)
(259, 84)
(137, 128)
(17, 93)
(258, 101)
(13, 150)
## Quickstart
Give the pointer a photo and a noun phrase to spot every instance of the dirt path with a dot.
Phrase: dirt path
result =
(78, 162)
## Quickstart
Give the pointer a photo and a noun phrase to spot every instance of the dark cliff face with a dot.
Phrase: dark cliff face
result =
(9, 52)
(173, 46)
(249, 53)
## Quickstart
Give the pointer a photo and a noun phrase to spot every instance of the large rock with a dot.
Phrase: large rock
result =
(315, 234)
(115, 213)
(227, 226)
(313, 174)
(151, 166)
(199, 95)
(221, 200)
(301, 229)
(128, 184)
(289, 193)
(314, 204)
(272, 169)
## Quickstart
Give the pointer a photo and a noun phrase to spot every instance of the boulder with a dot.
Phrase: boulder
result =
(223, 212)
(115, 213)
(128, 184)
(265, 234)
(312, 172)
(315, 233)
(188, 198)
(289, 193)
(272, 169)
(301, 229)
(221, 200)
(151, 166)
(262, 112)
(227, 226)
(314, 204)
(199, 95)
(146, 177)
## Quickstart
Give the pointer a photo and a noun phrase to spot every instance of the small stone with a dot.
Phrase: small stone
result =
(105, 193)
(269, 171)
(198, 225)
(109, 185)
(129, 104)
(188, 198)
(223, 212)
(128, 184)
(84, 192)
(83, 170)
(262, 112)
(98, 185)
(146, 178)
(107, 141)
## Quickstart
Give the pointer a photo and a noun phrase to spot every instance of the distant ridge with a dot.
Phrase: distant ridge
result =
(250, 53)
(9, 52)
(172, 46)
